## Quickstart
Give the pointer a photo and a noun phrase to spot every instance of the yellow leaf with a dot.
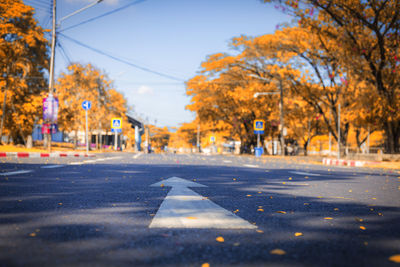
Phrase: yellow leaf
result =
(328, 218)
(259, 231)
(206, 264)
(359, 219)
(162, 185)
(248, 195)
(362, 228)
(220, 239)
(279, 211)
(277, 251)
(395, 258)
(260, 210)
(236, 211)
(298, 234)
(32, 234)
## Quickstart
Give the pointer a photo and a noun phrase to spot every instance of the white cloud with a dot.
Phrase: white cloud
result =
(145, 90)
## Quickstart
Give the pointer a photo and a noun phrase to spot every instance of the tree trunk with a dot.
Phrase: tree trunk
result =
(305, 146)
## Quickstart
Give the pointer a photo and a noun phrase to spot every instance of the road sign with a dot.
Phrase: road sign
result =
(50, 108)
(184, 208)
(116, 130)
(259, 126)
(86, 105)
(212, 139)
(116, 123)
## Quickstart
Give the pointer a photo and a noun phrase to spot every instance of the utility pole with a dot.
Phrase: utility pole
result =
(51, 70)
(53, 49)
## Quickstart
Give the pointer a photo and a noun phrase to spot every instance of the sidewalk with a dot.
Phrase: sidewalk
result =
(335, 162)
(22, 152)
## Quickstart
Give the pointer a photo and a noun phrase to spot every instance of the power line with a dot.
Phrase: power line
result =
(121, 60)
(103, 15)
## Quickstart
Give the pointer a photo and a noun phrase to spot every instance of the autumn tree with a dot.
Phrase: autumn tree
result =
(23, 61)
(224, 93)
(367, 33)
(85, 82)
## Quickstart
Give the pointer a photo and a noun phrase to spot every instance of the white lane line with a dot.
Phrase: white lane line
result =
(250, 166)
(227, 161)
(15, 172)
(136, 156)
(51, 166)
(89, 161)
(306, 173)
(184, 208)
(76, 163)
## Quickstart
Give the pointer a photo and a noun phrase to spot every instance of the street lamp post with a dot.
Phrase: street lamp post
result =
(282, 138)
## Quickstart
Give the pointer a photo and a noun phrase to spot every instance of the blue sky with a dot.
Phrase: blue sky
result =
(168, 36)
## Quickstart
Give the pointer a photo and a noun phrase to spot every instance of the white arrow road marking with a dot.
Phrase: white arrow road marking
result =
(306, 173)
(184, 208)
(15, 172)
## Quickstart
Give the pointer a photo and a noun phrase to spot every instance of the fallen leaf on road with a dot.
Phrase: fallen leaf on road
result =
(277, 251)
(298, 234)
(259, 231)
(328, 218)
(362, 228)
(395, 258)
(248, 195)
(290, 178)
(162, 185)
(283, 182)
(260, 210)
(32, 234)
(336, 209)
(359, 219)
(236, 211)
(220, 239)
(279, 211)
(206, 264)
(306, 204)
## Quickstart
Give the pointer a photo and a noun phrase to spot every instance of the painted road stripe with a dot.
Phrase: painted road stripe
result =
(15, 172)
(184, 208)
(76, 163)
(136, 156)
(306, 173)
(51, 166)
(250, 166)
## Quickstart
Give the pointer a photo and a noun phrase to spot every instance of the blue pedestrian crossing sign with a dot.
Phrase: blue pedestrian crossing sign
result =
(259, 126)
(86, 105)
(116, 123)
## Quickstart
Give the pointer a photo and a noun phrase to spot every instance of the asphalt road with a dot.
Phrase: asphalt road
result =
(97, 212)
